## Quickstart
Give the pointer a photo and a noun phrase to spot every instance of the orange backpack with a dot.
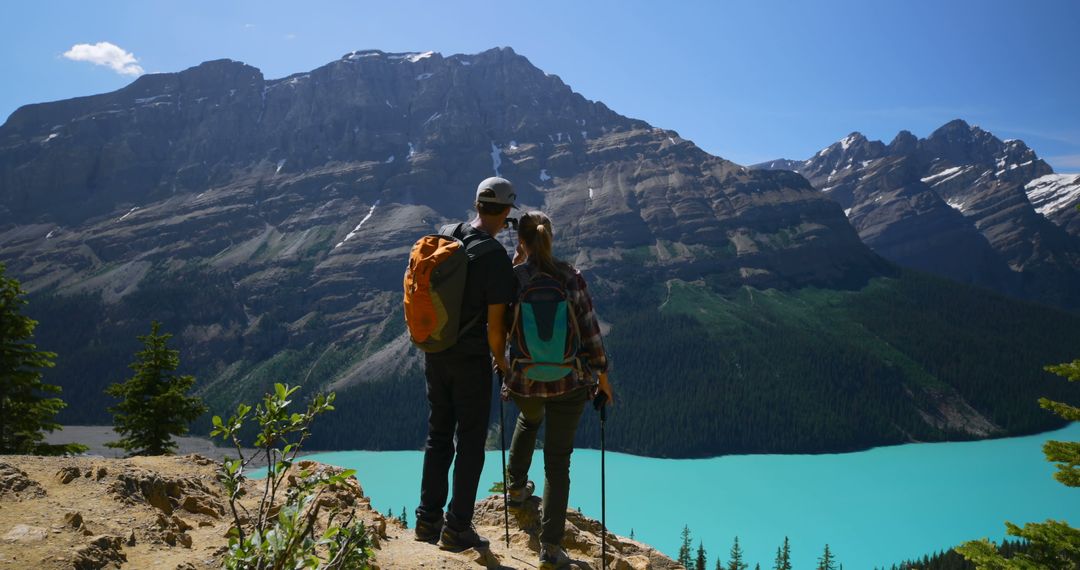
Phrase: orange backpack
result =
(435, 286)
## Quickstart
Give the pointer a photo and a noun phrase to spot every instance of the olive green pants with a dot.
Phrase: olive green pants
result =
(562, 414)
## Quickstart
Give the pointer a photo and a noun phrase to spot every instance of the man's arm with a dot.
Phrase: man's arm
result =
(496, 334)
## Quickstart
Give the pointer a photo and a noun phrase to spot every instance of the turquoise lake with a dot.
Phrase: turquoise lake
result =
(874, 508)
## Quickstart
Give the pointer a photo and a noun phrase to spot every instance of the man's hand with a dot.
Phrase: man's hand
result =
(497, 336)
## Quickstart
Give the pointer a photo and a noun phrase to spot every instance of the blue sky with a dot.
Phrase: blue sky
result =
(747, 80)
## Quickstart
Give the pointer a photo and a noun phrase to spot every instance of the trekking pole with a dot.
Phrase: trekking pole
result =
(599, 403)
(502, 446)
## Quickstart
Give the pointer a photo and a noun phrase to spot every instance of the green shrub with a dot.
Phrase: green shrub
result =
(281, 533)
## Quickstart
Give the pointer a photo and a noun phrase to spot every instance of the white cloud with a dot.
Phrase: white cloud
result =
(105, 53)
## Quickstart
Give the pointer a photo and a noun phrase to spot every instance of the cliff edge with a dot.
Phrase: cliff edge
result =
(170, 512)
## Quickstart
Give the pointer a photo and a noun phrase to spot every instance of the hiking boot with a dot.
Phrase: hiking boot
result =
(553, 557)
(517, 497)
(428, 530)
(457, 540)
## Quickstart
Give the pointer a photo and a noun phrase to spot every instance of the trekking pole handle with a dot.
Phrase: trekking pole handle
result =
(599, 404)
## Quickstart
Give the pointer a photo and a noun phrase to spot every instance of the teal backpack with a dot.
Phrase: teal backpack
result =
(544, 339)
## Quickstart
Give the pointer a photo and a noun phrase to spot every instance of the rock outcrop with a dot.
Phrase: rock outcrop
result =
(86, 524)
(15, 483)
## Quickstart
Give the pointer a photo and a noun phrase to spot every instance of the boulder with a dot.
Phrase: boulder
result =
(14, 482)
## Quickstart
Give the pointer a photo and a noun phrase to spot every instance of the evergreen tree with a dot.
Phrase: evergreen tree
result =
(827, 560)
(404, 519)
(27, 405)
(631, 533)
(736, 560)
(154, 405)
(684, 549)
(757, 566)
(783, 556)
(1065, 453)
(1053, 544)
(719, 564)
(699, 562)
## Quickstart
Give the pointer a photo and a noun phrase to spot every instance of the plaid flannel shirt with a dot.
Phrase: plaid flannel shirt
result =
(592, 344)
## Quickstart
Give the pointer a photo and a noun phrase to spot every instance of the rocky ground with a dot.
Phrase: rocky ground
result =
(169, 512)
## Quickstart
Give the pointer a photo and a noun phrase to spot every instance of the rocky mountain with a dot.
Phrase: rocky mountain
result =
(960, 203)
(266, 222)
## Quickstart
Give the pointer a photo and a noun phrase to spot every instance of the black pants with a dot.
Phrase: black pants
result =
(459, 393)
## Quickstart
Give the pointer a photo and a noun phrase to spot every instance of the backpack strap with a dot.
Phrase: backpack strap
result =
(476, 246)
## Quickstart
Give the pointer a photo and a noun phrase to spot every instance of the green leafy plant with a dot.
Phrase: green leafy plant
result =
(27, 405)
(281, 532)
(1052, 544)
(154, 403)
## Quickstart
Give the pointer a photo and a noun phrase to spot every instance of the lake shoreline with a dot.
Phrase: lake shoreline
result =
(95, 437)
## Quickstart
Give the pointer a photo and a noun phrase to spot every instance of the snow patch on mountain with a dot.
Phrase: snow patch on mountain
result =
(296, 80)
(412, 57)
(130, 212)
(544, 175)
(496, 158)
(1053, 192)
(945, 175)
(956, 204)
(358, 226)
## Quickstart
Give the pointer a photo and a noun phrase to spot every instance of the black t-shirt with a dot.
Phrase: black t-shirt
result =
(489, 281)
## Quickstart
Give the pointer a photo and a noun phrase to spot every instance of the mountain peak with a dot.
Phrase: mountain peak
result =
(957, 124)
(903, 143)
(853, 138)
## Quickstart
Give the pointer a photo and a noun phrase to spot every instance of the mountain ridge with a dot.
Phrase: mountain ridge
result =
(999, 240)
(266, 224)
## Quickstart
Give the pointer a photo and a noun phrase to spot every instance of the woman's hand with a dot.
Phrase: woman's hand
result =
(605, 387)
(502, 366)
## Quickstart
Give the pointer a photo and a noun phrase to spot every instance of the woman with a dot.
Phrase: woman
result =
(560, 401)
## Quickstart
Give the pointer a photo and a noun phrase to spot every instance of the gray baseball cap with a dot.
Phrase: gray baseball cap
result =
(502, 189)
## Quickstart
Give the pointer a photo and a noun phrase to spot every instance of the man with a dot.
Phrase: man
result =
(459, 380)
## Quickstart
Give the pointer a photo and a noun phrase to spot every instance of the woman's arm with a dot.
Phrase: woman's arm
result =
(589, 327)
